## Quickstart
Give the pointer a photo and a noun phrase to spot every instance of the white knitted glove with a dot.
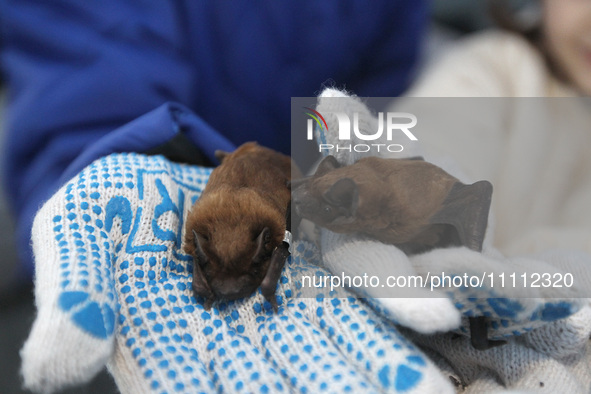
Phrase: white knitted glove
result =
(416, 308)
(512, 309)
(419, 309)
(113, 286)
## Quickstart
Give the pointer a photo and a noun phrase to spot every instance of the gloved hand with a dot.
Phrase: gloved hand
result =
(113, 286)
(511, 310)
(420, 309)
(545, 328)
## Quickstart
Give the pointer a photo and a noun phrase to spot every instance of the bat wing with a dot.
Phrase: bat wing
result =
(466, 208)
(280, 254)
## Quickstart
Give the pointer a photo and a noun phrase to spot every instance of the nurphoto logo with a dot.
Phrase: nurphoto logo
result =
(388, 123)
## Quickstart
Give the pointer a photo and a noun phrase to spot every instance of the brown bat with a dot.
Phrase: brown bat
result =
(409, 203)
(234, 229)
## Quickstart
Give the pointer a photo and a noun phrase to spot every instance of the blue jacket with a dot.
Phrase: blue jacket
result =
(89, 78)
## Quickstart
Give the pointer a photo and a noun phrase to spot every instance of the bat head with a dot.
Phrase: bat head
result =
(232, 247)
(328, 198)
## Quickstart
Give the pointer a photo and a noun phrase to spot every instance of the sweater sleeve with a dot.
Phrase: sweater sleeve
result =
(496, 68)
(487, 64)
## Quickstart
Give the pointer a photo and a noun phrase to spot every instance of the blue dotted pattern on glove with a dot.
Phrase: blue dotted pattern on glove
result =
(506, 317)
(120, 251)
(92, 222)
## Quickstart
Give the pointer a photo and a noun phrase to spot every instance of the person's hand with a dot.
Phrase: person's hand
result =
(113, 286)
(510, 307)
(495, 292)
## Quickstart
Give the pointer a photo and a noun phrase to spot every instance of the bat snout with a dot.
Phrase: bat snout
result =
(234, 294)
(233, 288)
(225, 289)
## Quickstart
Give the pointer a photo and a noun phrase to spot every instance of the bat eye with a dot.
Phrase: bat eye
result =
(328, 209)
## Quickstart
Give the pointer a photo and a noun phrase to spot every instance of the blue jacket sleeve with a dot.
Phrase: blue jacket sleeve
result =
(78, 71)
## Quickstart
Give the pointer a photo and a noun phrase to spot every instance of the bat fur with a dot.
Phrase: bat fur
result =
(238, 221)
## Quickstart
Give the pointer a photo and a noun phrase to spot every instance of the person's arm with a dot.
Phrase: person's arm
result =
(77, 71)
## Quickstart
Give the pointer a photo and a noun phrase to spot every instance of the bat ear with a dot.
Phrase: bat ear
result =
(221, 155)
(200, 284)
(344, 194)
(261, 242)
(294, 183)
(327, 164)
(199, 254)
(466, 209)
